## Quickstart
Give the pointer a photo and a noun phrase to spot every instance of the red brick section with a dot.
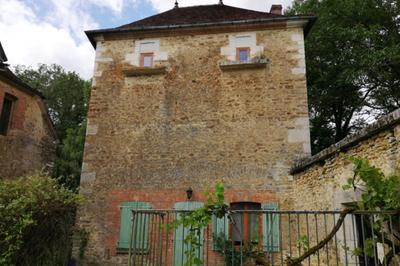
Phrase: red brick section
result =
(19, 108)
(164, 199)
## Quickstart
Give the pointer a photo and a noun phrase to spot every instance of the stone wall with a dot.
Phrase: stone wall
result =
(150, 137)
(30, 142)
(318, 180)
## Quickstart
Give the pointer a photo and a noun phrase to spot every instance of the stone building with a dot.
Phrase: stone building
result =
(185, 98)
(27, 136)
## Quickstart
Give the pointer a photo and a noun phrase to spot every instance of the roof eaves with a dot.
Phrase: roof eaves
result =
(3, 56)
(311, 20)
(5, 72)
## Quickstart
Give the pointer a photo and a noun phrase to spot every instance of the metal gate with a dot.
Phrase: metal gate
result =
(246, 237)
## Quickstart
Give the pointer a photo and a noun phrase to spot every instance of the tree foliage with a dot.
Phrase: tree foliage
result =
(65, 92)
(66, 96)
(36, 218)
(353, 64)
(69, 160)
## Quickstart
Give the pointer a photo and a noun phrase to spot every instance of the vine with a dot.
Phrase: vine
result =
(199, 219)
(379, 193)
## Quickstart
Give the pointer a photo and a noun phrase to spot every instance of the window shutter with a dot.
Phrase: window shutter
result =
(180, 247)
(220, 229)
(271, 230)
(141, 225)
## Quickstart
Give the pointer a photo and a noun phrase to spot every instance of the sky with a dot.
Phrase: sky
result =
(52, 31)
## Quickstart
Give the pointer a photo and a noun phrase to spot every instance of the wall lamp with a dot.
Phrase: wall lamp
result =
(189, 193)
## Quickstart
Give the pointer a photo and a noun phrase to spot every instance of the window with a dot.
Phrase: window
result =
(6, 112)
(263, 224)
(146, 59)
(243, 54)
(246, 225)
(140, 226)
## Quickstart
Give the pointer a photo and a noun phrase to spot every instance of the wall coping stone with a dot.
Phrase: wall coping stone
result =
(375, 128)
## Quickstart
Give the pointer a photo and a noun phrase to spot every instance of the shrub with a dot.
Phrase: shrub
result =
(36, 219)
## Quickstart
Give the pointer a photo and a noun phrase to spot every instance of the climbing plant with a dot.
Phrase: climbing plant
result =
(198, 220)
(378, 193)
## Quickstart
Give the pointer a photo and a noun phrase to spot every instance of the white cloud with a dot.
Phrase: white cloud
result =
(29, 40)
(114, 5)
(261, 5)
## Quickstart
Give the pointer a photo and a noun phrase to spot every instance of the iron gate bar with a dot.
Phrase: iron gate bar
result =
(152, 240)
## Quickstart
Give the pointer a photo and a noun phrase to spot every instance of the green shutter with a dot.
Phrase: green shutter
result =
(181, 232)
(220, 229)
(141, 224)
(271, 230)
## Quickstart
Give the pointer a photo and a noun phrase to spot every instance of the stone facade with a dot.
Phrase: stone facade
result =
(152, 134)
(29, 144)
(318, 180)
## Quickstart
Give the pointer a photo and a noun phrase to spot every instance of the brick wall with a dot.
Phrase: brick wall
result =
(29, 144)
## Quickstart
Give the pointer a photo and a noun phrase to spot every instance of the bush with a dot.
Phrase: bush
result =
(36, 219)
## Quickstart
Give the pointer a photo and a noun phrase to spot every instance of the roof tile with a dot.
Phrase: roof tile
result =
(199, 14)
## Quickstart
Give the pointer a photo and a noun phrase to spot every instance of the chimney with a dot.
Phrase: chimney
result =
(276, 9)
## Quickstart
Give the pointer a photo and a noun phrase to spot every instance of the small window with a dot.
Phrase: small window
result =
(6, 113)
(146, 59)
(243, 54)
(246, 226)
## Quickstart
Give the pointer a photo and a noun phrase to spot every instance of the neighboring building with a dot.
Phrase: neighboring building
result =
(27, 136)
(182, 99)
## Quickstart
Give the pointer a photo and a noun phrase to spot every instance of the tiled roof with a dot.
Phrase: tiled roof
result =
(198, 15)
(201, 16)
(8, 74)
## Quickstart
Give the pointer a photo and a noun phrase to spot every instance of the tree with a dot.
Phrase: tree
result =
(65, 92)
(69, 160)
(66, 95)
(353, 62)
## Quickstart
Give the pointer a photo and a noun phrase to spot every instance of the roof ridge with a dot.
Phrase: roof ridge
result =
(223, 5)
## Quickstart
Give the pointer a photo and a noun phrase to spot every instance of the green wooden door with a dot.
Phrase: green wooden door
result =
(220, 231)
(271, 230)
(180, 248)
